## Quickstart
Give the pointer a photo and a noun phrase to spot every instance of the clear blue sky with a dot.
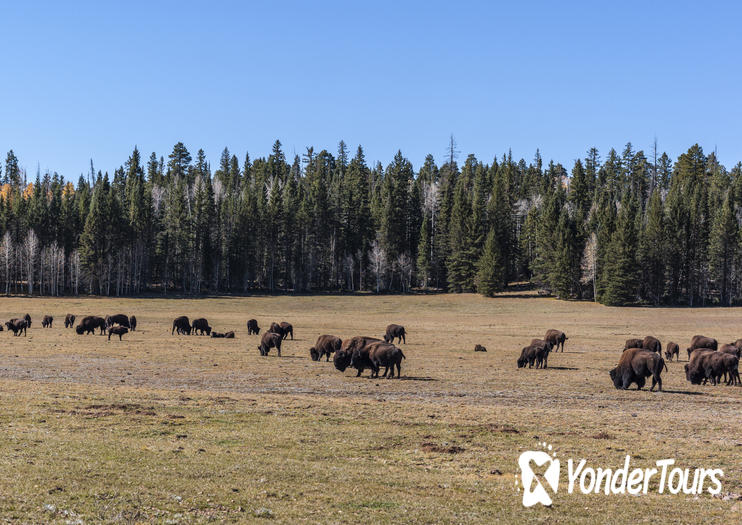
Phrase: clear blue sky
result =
(91, 80)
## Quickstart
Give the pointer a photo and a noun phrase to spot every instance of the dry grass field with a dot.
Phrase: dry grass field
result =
(176, 429)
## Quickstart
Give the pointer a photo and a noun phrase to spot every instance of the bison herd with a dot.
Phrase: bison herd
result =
(708, 362)
(642, 358)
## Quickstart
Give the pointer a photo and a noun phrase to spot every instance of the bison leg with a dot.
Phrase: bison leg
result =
(399, 369)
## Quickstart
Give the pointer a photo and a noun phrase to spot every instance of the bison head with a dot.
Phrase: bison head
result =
(615, 378)
(314, 354)
(79, 329)
(208, 330)
(387, 339)
(341, 360)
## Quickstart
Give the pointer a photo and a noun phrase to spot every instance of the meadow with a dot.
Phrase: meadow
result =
(188, 429)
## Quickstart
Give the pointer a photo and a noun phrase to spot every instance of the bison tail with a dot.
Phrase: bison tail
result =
(402, 354)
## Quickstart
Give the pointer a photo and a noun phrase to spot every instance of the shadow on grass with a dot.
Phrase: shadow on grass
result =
(686, 392)
(420, 378)
(561, 368)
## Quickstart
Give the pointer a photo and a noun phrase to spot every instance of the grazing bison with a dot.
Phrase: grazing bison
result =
(69, 321)
(325, 345)
(479, 348)
(270, 340)
(89, 324)
(201, 325)
(117, 330)
(287, 329)
(182, 324)
(17, 326)
(672, 350)
(252, 327)
(120, 319)
(700, 341)
(133, 323)
(635, 365)
(632, 343)
(542, 352)
(47, 321)
(276, 329)
(343, 356)
(709, 365)
(527, 356)
(395, 331)
(376, 355)
(652, 344)
(556, 338)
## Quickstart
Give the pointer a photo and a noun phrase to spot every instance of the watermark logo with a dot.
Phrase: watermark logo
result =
(540, 472)
(535, 485)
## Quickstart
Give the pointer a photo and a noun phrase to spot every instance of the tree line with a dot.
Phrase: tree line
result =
(630, 228)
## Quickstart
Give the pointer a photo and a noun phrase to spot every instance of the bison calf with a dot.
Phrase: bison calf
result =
(69, 321)
(672, 350)
(47, 321)
(479, 348)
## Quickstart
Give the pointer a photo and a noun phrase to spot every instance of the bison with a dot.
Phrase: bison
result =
(652, 344)
(395, 331)
(47, 321)
(276, 329)
(133, 323)
(270, 340)
(709, 365)
(672, 350)
(556, 338)
(376, 355)
(700, 341)
(479, 348)
(201, 325)
(17, 326)
(118, 330)
(182, 324)
(89, 324)
(325, 345)
(542, 352)
(344, 355)
(119, 319)
(635, 365)
(287, 330)
(527, 356)
(69, 321)
(252, 327)
(731, 349)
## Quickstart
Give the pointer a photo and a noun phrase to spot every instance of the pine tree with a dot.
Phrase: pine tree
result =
(491, 267)
(654, 249)
(724, 250)
(622, 269)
